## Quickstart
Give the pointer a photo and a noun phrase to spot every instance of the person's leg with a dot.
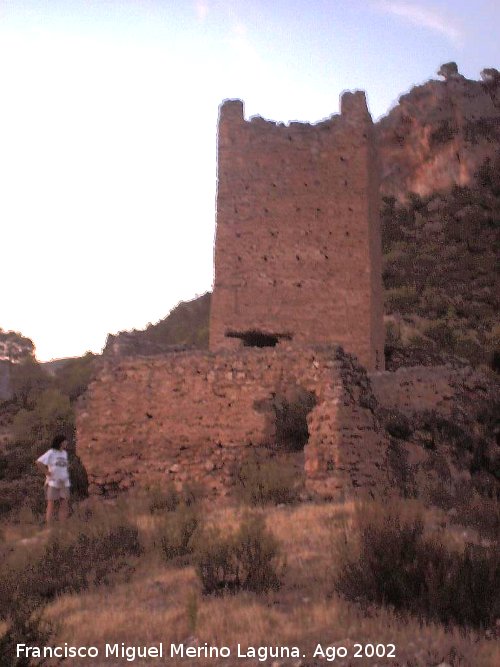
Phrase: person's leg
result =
(49, 514)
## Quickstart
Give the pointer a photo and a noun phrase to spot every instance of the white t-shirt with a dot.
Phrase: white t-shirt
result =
(57, 462)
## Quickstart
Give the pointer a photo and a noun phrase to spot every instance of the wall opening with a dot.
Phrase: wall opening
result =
(291, 410)
(254, 338)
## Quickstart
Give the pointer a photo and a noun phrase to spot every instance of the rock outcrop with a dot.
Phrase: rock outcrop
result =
(439, 134)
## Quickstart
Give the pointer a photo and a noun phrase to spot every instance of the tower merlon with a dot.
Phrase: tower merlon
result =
(353, 105)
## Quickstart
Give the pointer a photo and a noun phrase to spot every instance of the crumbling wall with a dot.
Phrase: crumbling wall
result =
(298, 251)
(195, 416)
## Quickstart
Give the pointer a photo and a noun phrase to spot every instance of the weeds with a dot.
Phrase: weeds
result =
(266, 482)
(387, 559)
(163, 500)
(26, 626)
(175, 530)
(76, 555)
(245, 560)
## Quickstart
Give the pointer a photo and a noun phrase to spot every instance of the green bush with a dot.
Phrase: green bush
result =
(267, 482)
(417, 573)
(245, 560)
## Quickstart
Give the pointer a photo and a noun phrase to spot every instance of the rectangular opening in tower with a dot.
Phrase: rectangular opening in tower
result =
(254, 338)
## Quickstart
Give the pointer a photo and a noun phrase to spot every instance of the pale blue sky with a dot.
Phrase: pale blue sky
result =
(108, 133)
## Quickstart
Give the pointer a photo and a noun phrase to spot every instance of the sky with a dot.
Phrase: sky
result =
(108, 127)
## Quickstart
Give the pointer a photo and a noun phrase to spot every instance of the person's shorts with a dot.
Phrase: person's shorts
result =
(57, 493)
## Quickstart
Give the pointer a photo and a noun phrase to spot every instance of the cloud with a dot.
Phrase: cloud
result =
(424, 17)
(202, 9)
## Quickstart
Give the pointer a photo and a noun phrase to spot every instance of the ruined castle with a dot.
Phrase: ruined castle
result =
(296, 311)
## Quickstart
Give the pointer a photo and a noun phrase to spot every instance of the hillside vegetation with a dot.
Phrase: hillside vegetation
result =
(440, 272)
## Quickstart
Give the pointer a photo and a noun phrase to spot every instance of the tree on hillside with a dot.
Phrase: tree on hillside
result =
(51, 414)
(74, 376)
(15, 347)
(28, 379)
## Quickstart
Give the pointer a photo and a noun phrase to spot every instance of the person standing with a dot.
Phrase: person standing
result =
(54, 463)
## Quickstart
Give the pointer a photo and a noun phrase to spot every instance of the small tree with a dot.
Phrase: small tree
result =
(28, 380)
(51, 414)
(74, 377)
(15, 347)
(448, 70)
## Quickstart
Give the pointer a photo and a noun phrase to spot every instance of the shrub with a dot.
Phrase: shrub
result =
(74, 376)
(51, 414)
(433, 302)
(401, 471)
(478, 512)
(163, 500)
(443, 133)
(245, 560)
(90, 552)
(25, 626)
(77, 554)
(442, 334)
(29, 379)
(397, 424)
(401, 299)
(267, 482)
(417, 573)
(175, 531)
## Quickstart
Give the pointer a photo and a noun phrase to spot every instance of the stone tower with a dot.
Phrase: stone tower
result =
(298, 250)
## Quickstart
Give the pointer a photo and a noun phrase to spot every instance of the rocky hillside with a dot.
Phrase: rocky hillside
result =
(440, 133)
(440, 273)
(186, 326)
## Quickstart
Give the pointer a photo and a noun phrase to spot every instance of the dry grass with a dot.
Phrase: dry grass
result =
(163, 603)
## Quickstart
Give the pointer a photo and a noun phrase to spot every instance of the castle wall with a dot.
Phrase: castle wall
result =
(297, 248)
(195, 416)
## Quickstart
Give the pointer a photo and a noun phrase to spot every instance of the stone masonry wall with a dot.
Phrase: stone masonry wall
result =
(298, 248)
(194, 416)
